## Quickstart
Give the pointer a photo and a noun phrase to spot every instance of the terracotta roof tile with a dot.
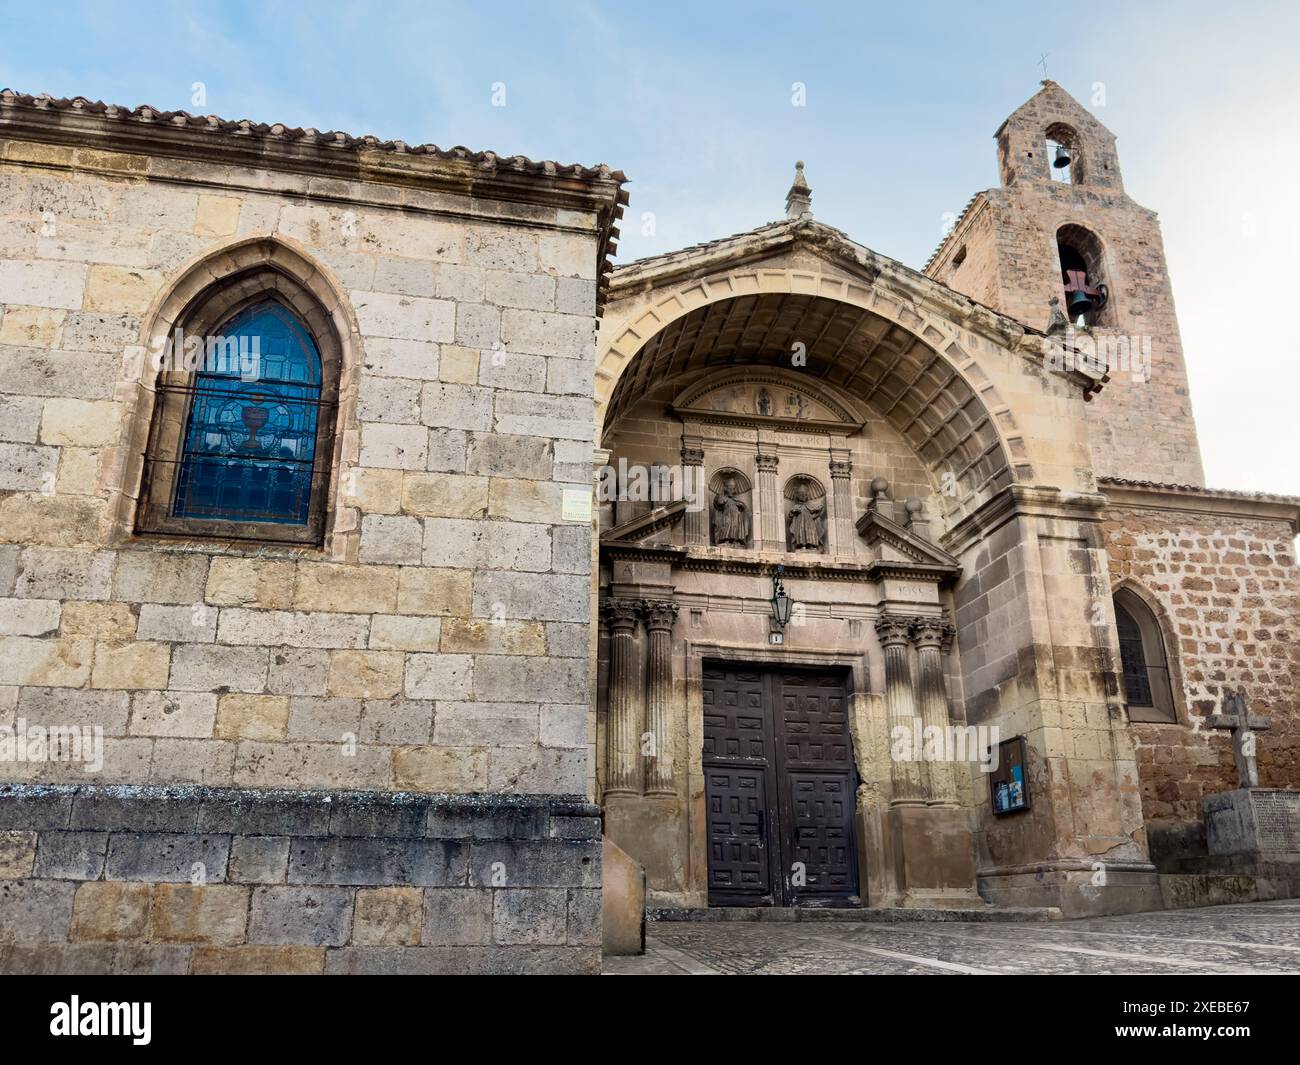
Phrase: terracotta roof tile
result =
(331, 139)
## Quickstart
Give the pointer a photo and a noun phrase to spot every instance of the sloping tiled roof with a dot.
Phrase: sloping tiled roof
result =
(1199, 490)
(278, 132)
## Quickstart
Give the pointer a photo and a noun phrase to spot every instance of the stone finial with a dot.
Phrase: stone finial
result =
(798, 201)
(879, 493)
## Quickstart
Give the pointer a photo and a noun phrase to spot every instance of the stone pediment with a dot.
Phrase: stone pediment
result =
(763, 396)
(898, 546)
(652, 528)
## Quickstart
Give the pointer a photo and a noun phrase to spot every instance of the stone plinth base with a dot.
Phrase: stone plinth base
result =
(1257, 822)
(122, 879)
(622, 902)
(1075, 889)
(934, 858)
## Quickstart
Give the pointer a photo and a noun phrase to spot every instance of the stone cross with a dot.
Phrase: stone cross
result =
(1244, 725)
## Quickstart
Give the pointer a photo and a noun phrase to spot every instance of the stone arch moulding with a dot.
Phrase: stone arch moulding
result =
(215, 285)
(623, 336)
(1169, 637)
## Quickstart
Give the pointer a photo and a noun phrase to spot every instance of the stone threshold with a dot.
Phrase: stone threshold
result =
(874, 915)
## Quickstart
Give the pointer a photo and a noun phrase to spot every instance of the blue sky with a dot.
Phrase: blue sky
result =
(693, 101)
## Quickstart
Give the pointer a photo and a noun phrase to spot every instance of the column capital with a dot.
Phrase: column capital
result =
(893, 631)
(766, 462)
(841, 468)
(621, 614)
(660, 614)
(692, 456)
(933, 632)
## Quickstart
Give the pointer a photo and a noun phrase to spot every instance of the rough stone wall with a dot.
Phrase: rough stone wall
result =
(209, 881)
(1230, 593)
(976, 274)
(444, 624)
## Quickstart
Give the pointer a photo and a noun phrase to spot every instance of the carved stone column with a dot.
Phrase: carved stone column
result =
(907, 776)
(696, 520)
(623, 723)
(933, 636)
(842, 501)
(660, 615)
(771, 513)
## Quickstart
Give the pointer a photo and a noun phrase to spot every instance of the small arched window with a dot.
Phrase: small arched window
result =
(241, 440)
(1147, 689)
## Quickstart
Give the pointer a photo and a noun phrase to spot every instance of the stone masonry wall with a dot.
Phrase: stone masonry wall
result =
(1230, 593)
(210, 881)
(444, 626)
(436, 643)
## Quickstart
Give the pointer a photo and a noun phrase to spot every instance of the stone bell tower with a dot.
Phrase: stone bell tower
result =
(1062, 228)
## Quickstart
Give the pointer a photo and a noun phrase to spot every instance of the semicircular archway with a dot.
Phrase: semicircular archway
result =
(942, 405)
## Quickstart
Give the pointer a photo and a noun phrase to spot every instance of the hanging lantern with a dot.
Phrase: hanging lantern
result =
(782, 604)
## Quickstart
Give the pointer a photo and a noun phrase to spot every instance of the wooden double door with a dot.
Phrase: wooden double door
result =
(780, 780)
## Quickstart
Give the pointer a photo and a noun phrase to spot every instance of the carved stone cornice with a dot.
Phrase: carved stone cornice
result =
(660, 614)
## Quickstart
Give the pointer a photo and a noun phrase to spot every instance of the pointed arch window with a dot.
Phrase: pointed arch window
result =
(250, 442)
(241, 442)
(1147, 689)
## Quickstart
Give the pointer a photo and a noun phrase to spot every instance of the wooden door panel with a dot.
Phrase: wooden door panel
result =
(738, 852)
(739, 787)
(780, 782)
(817, 782)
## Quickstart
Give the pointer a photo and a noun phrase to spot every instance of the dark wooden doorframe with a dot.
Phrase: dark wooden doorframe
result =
(780, 785)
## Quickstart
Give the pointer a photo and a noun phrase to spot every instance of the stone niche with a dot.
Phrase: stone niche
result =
(731, 509)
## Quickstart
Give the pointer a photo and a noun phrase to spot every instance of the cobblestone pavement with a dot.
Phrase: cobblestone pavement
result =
(1259, 937)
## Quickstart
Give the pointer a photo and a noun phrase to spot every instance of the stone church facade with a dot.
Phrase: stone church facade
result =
(334, 667)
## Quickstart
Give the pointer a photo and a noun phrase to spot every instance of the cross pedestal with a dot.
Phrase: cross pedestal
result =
(1250, 823)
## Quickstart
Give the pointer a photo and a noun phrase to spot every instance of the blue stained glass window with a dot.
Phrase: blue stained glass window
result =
(250, 443)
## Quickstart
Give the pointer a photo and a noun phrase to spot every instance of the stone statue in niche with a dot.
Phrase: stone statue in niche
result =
(731, 521)
(806, 523)
(763, 404)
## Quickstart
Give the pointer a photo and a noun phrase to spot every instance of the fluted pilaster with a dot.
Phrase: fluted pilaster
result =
(906, 775)
(932, 637)
(660, 616)
(622, 727)
(842, 502)
(771, 513)
(697, 510)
